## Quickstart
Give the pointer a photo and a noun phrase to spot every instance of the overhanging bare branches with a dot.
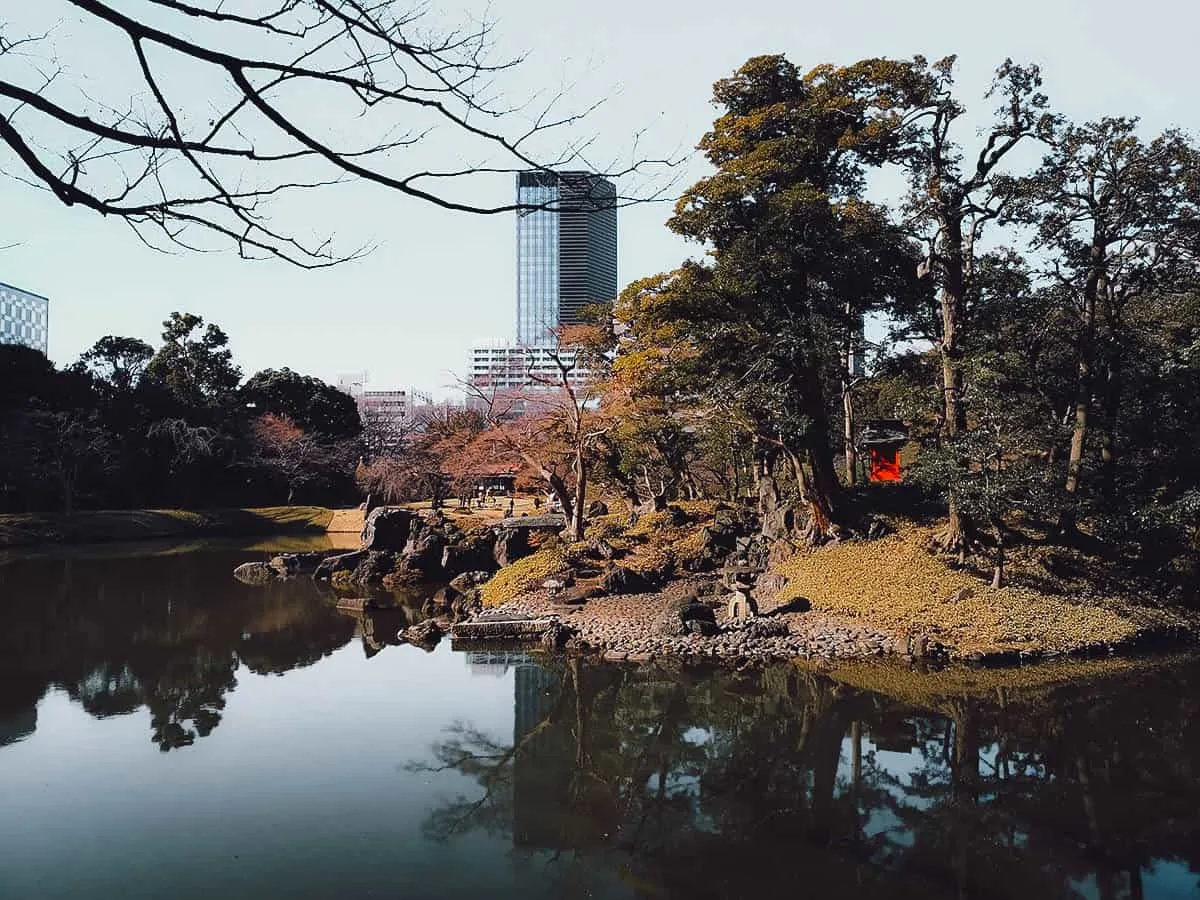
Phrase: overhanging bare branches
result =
(233, 105)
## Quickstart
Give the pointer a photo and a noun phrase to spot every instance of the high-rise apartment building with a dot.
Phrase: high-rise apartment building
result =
(24, 318)
(566, 250)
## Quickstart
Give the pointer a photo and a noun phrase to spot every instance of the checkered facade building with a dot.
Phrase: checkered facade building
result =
(24, 318)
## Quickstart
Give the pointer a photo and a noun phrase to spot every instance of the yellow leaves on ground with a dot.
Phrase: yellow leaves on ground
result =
(897, 585)
(522, 575)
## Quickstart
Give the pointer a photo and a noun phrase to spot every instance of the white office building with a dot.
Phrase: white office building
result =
(511, 367)
(24, 318)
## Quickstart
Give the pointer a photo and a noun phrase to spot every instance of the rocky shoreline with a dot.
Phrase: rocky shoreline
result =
(717, 605)
(644, 627)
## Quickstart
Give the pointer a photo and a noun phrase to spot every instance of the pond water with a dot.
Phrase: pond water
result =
(168, 732)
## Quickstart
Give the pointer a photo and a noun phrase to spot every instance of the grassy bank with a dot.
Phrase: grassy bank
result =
(897, 585)
(30, 529)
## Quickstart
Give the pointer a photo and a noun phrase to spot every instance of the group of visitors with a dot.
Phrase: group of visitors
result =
(485, 497)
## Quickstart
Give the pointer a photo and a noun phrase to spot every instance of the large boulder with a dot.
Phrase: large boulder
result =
(511, 544)
(388, 528)
(697, 618)
(424, 634)
(768, 586)
(600, 549)
(471, 552)
(255, 573)
(451, 603)
(343, 562)
(289, 565)
(620, 580)
(685, 615)
(468, 580)
(425, 548)
(374, 566)
(443, 602)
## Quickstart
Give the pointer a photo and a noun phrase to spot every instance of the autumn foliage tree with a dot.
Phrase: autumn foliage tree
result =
(552, 424)
(297, 456)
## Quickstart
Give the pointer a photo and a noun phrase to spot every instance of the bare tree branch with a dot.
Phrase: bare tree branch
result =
(269, 69)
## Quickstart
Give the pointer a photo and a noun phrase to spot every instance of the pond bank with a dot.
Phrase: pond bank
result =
(643, 628)
(96, 526)
(888, 596)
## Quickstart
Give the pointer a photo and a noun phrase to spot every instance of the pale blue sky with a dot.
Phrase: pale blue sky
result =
(439, 281)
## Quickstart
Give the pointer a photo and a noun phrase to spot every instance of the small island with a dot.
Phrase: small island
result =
(698, 581)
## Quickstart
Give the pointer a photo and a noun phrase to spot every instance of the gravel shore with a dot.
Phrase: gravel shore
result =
(635, 628)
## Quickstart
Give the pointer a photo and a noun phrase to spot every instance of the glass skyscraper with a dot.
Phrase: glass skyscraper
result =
(24, 318)
(566, 250)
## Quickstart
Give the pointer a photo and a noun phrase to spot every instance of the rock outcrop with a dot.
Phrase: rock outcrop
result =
(290, 565)
(343, 562)
(388, 528)
(511, 544)
(620, 580)
(401, 547)
(255, 573)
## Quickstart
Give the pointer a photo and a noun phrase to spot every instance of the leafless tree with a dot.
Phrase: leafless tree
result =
(551, 422)
(239, 104)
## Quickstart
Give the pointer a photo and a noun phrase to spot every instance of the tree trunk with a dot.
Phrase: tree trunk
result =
(558, 487)
(1083, 387)
(822, 493)
(998, 567)
(848, 403)
(954, 537)
(819, 493)
(777, 519)
(1083, 395)
(848, 435)
(1108, 434)
(575, 524)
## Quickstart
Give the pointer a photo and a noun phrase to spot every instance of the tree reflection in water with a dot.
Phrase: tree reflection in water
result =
(714, 784)
(168, 633)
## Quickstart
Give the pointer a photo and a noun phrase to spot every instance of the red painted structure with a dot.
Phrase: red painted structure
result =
(883, 440)
(885, 463)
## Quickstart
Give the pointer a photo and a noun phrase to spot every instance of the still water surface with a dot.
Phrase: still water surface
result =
(168, 732)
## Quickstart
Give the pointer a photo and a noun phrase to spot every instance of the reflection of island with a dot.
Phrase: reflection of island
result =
(17, 726)
(725, 785)
(165, 633)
